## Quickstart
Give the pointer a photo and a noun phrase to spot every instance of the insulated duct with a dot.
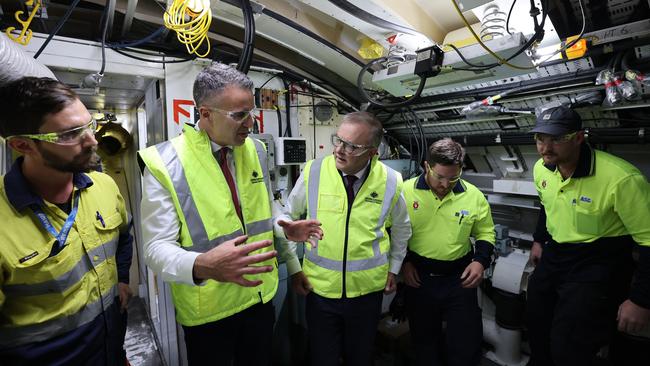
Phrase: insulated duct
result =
(16, 63)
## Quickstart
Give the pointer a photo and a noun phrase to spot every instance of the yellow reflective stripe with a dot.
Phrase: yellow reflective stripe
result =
(66, 280)
(16, 336)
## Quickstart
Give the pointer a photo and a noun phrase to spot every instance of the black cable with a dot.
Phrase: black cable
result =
(249, 37)
(509, 14)
(367, 97)
(138, 42)
(537, 36)
(269, 79)
(407, 120)
(57, 28)
(277, 111)
(287, 107)
(104, 30)
(148, 60)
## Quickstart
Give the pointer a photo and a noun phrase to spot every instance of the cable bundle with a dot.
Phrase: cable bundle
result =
(191, 20)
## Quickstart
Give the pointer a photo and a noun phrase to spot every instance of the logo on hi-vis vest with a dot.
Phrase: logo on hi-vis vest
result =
(256, 178)
(373, 198)
(585, 199)
(27, 257)
(416, 205)
(544, 183)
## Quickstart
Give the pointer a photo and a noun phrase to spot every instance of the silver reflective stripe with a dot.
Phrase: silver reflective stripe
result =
(214, 242)
(179, 180)
(262, 157)
(391, 188)
(16, 336)
(259, 227)
(312, 191)
(60, 284)
(378, 259)
(351, 265)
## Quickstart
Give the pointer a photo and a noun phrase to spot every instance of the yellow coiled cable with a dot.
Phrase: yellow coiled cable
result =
(191, 20)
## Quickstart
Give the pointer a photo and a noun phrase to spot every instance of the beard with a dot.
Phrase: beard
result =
(83, 162)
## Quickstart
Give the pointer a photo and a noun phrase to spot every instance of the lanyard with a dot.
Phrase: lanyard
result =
(61, 236)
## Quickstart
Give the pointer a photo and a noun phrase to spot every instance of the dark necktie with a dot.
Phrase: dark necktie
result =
(223, 163)
(349, 188)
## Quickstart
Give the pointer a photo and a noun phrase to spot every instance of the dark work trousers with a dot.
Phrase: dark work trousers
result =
(571, 309)
(242, 339)
(342, 328)
(443, 298)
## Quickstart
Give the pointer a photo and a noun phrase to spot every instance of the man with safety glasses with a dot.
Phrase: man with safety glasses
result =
(595, 206)
(352, 262)
(441, 269)
(207, 225)
(66, 247)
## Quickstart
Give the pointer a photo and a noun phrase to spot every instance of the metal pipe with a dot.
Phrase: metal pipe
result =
(16, 63)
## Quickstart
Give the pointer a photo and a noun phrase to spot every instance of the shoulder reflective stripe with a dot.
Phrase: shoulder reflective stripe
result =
(60, 284)
(262, 157)
(391, 188)
(214, 242)
(312, 192)
(259, 227)
(16, 336)
(179, 180)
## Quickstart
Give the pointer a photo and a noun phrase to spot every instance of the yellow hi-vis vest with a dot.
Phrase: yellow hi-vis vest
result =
(42, 296)
(186, 167)
(364, 265)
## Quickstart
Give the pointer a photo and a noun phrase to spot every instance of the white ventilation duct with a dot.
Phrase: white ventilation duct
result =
(16, 63)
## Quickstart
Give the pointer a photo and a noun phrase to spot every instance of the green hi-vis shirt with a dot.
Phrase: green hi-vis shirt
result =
(605, 197)
(442, 228)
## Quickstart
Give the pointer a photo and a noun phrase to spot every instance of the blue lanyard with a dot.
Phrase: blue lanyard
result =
(61, 236)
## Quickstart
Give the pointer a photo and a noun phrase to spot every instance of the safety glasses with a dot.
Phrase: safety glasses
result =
(72, 136)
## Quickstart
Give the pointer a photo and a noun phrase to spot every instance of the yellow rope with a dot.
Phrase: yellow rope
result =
(191, 20)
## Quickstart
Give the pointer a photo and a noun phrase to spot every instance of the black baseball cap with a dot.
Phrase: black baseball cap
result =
(558, 121)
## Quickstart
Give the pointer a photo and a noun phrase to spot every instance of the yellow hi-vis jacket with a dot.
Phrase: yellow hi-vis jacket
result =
(355, 244)
(43, 296)
(186, 167)
(442, 228)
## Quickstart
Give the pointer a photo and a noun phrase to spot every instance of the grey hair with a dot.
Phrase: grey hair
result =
(446, 152)
(369, 119)
(213, 79)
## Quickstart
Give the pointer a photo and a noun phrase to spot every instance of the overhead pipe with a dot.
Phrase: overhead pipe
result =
(16, 63)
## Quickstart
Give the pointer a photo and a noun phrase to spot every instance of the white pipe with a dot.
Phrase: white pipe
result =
(506, 343)
(16, 63)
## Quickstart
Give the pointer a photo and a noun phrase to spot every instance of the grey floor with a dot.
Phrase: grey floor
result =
(139, 342)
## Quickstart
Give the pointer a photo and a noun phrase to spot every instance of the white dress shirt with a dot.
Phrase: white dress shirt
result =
(161, 230)
(296, 208)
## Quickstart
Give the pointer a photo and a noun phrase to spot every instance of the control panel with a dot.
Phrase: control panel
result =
(290, 150)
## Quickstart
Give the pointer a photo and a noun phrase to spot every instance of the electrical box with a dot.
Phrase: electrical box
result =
(290, 150)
